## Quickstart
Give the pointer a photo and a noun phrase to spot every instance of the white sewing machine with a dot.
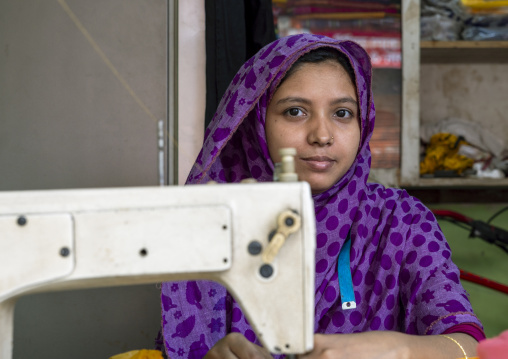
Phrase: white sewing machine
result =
(66, 239)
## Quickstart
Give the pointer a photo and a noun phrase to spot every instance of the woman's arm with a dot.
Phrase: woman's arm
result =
(367, 345)
(391, 345)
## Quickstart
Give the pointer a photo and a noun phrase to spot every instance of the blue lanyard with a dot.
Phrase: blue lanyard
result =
(347, 295)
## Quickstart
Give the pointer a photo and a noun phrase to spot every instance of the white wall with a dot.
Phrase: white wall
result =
(191, 83)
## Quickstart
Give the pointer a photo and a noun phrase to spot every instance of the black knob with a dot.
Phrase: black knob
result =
(255, 248)
(266, 271)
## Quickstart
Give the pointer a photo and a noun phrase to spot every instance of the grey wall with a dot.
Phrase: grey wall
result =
(67, 121)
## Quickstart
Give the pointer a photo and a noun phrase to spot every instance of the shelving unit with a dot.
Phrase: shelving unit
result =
(415, 53)
(462, 182)
(447, 52)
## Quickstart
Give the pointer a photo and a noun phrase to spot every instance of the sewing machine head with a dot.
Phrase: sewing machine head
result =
(257, 239)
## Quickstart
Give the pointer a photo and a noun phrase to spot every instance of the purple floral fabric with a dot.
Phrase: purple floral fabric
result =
(403, 277)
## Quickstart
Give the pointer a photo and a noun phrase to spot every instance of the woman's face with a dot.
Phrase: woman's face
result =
(315, 110)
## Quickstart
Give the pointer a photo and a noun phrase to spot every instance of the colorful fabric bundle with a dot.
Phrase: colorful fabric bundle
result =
(139, 354)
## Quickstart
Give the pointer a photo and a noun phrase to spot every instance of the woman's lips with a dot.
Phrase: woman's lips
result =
(319, 163)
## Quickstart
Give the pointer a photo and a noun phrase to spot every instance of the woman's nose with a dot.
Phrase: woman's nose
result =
(320, 132)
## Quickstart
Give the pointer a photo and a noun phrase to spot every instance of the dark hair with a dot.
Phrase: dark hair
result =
(319, 55)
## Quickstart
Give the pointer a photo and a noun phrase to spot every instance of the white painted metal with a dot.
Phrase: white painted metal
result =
(6, 327)
(142, 235)
(29, 253)
(152, 241)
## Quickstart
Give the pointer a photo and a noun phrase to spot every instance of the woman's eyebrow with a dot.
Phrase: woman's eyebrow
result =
(345, 100)
(337, 101)
(291, 99)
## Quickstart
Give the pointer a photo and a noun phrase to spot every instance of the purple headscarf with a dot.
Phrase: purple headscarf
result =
(403, 277)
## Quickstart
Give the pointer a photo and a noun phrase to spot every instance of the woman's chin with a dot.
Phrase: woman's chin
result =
(317, 188)
(318, 183)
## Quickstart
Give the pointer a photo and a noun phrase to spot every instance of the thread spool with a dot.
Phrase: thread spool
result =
(287, 168)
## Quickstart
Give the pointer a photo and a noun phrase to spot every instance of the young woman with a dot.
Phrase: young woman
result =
(313, 93)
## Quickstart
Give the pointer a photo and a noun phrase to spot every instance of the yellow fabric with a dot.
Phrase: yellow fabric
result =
(139, 354)
(485, 4)
(442, 154)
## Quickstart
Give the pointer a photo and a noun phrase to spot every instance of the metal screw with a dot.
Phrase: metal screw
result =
(22, 220)
(266, 271)
(143, 252)
(289, 221)
(64, 251)
(255, 247)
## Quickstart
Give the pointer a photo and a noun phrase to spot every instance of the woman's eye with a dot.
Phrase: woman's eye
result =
(294, 112)
(343, 113)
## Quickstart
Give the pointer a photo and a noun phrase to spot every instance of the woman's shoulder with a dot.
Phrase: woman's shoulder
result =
(393, 197)
(378, 191)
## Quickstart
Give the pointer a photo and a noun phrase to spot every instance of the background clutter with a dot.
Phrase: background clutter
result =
(473, 20)
(455, 147)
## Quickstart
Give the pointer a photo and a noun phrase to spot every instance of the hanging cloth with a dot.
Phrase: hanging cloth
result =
(235, 31)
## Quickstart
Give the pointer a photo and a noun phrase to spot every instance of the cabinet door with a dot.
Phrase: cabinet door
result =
(84, 89)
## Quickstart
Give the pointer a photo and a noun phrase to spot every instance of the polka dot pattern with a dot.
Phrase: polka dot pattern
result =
(402, 275)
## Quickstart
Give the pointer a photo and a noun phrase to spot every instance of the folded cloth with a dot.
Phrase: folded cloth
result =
(474, 133)
(442, 154)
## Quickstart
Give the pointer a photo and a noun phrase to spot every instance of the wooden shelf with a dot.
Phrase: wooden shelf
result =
(464, 52)
(463, 182)
(390, 177)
